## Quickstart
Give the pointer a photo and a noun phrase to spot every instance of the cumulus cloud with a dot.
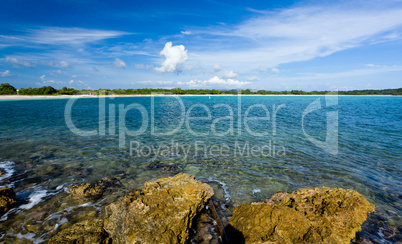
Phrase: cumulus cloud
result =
(217, 67)
(275, 70)
(215, 81)
(119, 63)
(64, 64)
(175, 56)
(17, 63)
(229, 74)
(5, 73)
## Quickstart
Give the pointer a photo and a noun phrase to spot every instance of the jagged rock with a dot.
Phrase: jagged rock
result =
(7, 199)
(88, 231)
(2, 171)
(319, 215)
(162, 213)
(86, 190)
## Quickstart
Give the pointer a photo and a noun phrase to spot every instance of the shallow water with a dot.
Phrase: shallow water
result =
(37, 145)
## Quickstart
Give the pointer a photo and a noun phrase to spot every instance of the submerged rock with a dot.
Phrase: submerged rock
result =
(86, 190)
(319, 215)
(89, 231)
(2, 171)
(7, 199)
(161, 213)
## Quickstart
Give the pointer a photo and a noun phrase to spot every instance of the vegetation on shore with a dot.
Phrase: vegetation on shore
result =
(7, 89)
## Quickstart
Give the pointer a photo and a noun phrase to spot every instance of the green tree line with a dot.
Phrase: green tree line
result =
(7, 89)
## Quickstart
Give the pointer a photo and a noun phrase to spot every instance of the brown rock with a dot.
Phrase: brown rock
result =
(319, 215)
(89, 231)
(163, 213)
(86, 190)
(7, 200)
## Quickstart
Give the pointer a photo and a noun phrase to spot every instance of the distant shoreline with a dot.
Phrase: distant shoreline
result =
(33, 97)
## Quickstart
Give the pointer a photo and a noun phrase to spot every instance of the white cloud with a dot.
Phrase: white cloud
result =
(64, 64)
(119, 63)
(175, 56)
(229, 74)
(143, 66)
(42, 78)
(55, 73)
(70, 36)
(47, 63)
(215, 82)
(151, 82)
(275, 70)
(296, 34)
(5, 73)
(217, 67)
(71, 82)
(253, 78)
(17, 63)
(186, 32)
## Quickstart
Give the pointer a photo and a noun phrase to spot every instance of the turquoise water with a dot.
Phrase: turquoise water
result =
(243, 164)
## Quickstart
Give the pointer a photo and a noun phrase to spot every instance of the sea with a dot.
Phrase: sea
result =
(246, 147)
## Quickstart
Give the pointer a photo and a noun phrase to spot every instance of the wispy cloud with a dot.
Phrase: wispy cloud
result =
(64, 64)
(70, 36)
(296, 34)
(59, 36)
(119, 63)
(17, 63)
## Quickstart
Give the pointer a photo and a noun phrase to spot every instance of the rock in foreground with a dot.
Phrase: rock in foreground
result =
(319, 215)
(88, 231)
(162, 213)
(7, 199)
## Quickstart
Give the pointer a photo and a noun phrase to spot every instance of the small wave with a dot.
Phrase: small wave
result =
(30, 236)
(8, 166)
(224, 187)
(35, 198)
(256, 190)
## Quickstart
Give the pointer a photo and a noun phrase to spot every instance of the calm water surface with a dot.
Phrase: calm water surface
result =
(242, 163)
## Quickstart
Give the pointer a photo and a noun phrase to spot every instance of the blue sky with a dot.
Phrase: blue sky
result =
(272, 45)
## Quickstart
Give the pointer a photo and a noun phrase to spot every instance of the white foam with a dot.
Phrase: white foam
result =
(30, 236)
(60, 223)
(8, 166)
(34, 198)
(256, 190)
(224, 187)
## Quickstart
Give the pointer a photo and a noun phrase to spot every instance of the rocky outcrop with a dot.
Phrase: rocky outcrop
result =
(319, 215)
(7, 199)
(161, 213)
(89, 231)
(93, 191)
(86, 190)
